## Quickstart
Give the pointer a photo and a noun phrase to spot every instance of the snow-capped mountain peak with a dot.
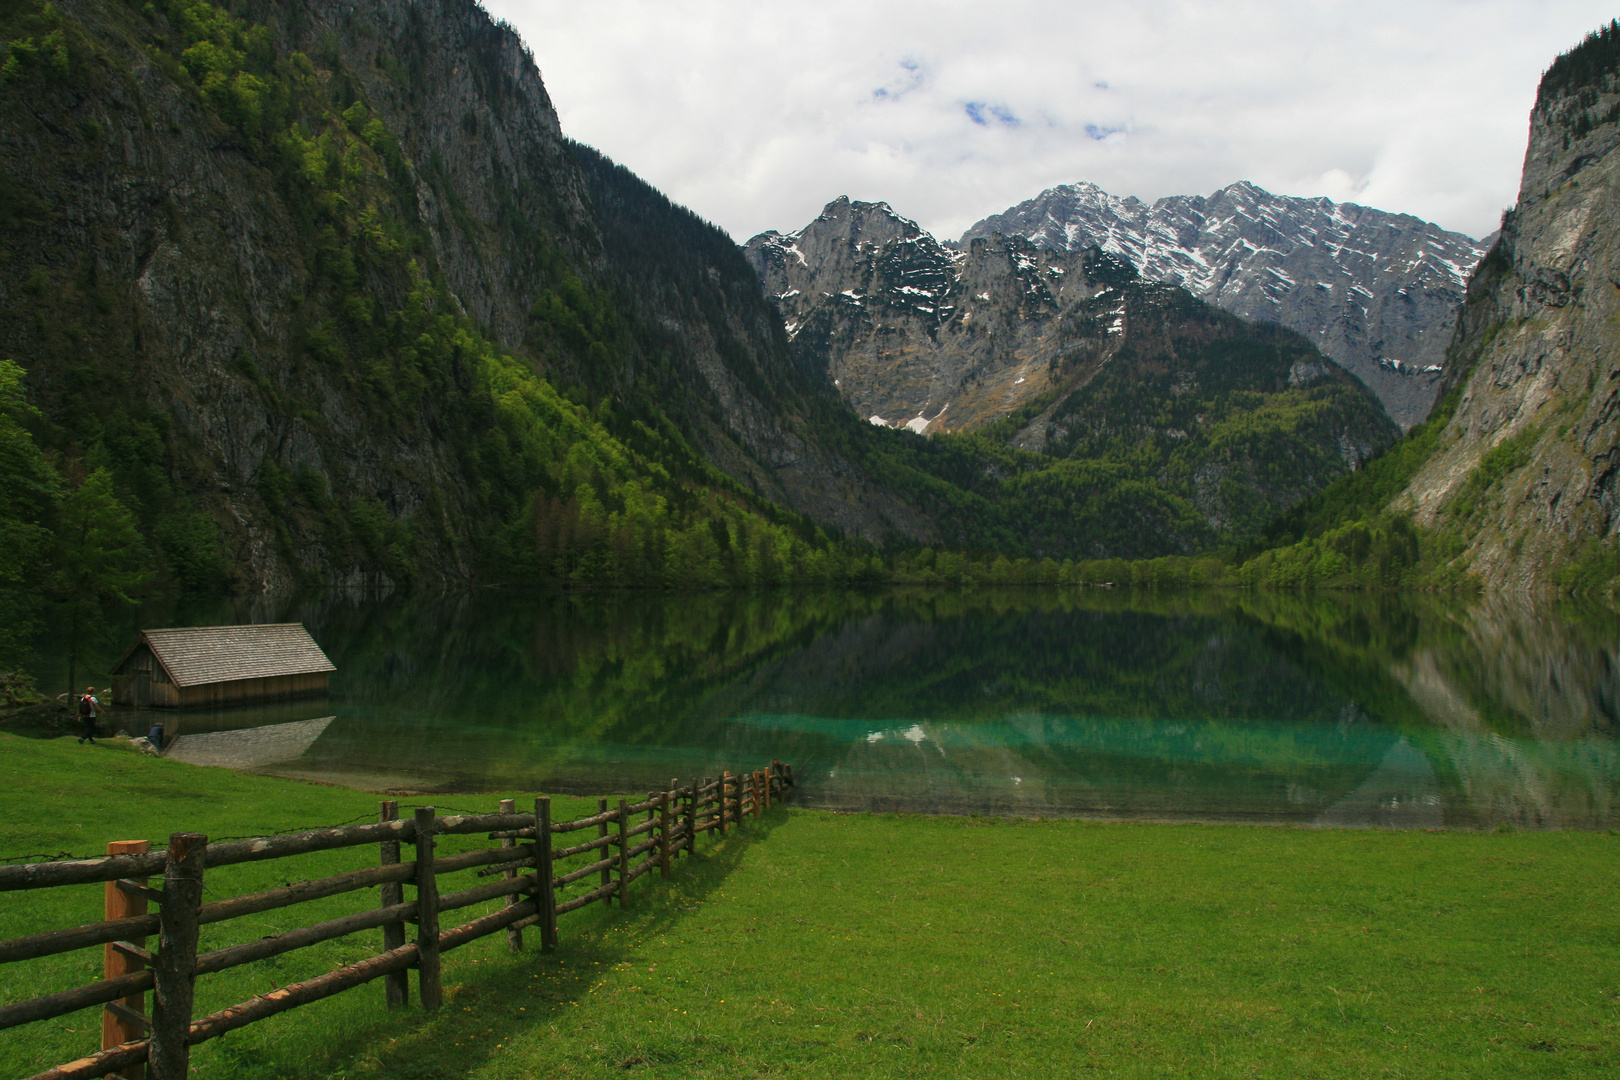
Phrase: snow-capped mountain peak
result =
(1365, 285)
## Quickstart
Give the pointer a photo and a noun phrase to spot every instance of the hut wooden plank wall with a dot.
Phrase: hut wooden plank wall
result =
(220, 665)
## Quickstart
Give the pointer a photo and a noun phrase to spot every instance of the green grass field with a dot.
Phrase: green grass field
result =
(817, 945)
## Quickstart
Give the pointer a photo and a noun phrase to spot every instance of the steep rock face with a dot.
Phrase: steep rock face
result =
(473, 119)
(190, 281)
(1157, 423)
(752, 411)
(1375, 291)
(173, 285)
(914, 335)
(1528, 465)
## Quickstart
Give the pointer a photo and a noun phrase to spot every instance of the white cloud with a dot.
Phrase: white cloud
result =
(756, 113)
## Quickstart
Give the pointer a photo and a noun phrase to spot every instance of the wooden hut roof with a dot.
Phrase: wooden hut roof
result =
(198, 655)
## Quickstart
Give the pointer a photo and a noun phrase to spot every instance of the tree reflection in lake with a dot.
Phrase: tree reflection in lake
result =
(1333, 709)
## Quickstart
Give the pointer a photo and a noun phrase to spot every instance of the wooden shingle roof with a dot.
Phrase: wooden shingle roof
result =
(198, 655)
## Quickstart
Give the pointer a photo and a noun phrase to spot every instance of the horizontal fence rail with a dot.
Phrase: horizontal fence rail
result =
(632, 840)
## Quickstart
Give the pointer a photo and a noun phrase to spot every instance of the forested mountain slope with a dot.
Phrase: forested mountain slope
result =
(319, 293)
(1139, 419)
(325, 292)
(712, 352)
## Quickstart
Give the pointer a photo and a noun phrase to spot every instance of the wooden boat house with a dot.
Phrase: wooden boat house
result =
(220, 665)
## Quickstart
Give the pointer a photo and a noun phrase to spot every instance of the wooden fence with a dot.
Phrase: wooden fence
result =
(629, 840)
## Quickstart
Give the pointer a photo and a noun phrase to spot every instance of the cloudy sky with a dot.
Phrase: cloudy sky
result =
(755, 113)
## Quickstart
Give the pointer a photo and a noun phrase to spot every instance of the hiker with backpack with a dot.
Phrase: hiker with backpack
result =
(89, 709)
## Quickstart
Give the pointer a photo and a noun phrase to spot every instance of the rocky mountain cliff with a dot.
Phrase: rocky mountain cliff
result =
(1377, 292)
(323, 294)
(328, 291)
(1527, 467)
(917, 336)
(1187, 423)
(712, 352)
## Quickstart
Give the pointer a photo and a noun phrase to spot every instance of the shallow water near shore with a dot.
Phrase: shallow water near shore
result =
(1324, 709)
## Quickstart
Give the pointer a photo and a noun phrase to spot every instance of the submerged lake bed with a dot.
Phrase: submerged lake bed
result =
(1338, 710)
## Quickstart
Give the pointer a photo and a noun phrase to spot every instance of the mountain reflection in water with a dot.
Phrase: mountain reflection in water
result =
(1336, 710)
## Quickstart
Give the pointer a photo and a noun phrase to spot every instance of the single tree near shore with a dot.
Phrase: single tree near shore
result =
(29, 493)
(101, 559)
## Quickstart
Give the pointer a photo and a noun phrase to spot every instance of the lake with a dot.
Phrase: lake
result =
(1322, 709)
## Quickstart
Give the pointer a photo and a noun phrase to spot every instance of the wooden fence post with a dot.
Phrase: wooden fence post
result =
(663, 834)
(708, 826)
(118, 903)
(543, 875)
(514, 935)
(624, 857)
(428, 987)
(675, 806)
(691, 820)
(675, 816)
(396, 984)
(765, 786)
(725, 782)
(601, 831)
(756, 782)
(169, 1057)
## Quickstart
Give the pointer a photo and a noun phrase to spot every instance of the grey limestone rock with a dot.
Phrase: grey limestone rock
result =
(1375, 291)
(174, 247)
(916, 335)
(201, 274)
(1537, 360)
(1076, 346)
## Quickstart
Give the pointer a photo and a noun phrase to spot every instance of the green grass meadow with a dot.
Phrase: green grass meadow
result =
(821, 945)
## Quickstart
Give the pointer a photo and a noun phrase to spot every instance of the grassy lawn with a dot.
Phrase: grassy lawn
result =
(819, 945)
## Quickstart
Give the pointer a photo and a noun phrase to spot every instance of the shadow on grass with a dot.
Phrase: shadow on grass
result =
(491, 995)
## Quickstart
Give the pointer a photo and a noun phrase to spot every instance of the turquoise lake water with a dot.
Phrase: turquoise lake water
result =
(1328, 710)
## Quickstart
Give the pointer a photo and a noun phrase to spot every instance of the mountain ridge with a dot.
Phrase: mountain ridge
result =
(332, 300)
(1106, 387)
(327, 292)
(1374, 290)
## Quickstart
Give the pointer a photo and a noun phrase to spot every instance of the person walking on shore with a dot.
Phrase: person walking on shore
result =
(89, 709)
